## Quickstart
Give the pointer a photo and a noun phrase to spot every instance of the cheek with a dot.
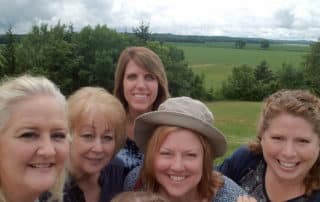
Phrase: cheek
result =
(63, 150)
(161, 164)
(109, 148)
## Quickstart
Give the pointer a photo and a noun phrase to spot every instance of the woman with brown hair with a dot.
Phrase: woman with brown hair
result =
(141, 86)
(283, 163)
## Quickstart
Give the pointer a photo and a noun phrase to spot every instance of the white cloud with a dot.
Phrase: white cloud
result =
(276, 19)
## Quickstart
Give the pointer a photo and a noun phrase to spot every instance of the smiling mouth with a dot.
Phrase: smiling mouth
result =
(177, 178)
(288, 164)
(41, 165)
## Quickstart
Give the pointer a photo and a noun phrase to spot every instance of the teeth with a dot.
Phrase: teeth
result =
(177, 178)
(47, 165)
(287, 165)
(140, 96)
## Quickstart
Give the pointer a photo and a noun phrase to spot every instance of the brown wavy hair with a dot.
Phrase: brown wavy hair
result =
(300, 103)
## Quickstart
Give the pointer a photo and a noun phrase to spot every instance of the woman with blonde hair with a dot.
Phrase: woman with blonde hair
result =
(33, 140)
(97, 122)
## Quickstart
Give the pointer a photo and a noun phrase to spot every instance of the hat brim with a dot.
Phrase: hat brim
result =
(146, 124)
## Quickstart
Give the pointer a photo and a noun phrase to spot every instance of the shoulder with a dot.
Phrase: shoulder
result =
(229, 191)
(315, 196)
(237, 164)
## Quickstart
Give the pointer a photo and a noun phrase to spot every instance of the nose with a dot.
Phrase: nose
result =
(46, 148)
(140, 82)
(97, 145)
(289, 150)
(177, 164)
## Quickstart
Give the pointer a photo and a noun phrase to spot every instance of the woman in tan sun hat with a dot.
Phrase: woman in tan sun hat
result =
(180, 144)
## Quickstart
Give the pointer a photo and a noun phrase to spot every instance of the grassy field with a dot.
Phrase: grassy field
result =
(216, 60)
(237, 120)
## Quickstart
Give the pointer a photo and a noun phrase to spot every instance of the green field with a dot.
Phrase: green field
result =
(237, 120)
(216, 60)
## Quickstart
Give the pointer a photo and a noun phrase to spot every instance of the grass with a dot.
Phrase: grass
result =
(216, 60)
(237, 120)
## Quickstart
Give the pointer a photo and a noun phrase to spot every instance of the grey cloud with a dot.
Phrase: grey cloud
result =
(18, 13)
(284, 18)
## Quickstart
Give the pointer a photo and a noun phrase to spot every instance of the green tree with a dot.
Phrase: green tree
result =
(312, 68)
(240, 44)
(241, 84)
(290, 77)
(9, 53)
(143, 31)
(263, 73)
(265, 44)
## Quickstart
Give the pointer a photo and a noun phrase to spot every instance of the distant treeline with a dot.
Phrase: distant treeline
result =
(190, 39)
(205, 39)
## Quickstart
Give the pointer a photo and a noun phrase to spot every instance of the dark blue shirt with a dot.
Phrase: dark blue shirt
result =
(111, 181)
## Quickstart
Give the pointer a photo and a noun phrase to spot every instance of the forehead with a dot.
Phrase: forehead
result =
(182, 139)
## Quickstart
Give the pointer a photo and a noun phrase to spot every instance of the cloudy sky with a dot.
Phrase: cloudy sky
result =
(271, 19)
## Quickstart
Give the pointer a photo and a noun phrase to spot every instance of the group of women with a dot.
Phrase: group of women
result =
(94, 145)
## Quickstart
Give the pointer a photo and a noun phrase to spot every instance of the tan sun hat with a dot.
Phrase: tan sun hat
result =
(183, 112)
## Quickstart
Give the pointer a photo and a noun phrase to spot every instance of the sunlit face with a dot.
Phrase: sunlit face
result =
(33, 145)
(140, 88)
(178, 165)
(93, 143)
(290, 148)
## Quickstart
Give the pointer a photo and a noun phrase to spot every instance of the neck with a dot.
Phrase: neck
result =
(274, 188)
(20, 195)
(190, 197)
(131, 116)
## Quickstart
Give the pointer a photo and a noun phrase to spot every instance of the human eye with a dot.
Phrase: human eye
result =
(107, 138)
(149, 77)
(58, 136)
(193, 155)
(303, 141)
(131, 77)
(164, 153)
(276, 138)
(87, 136)
(29, 135)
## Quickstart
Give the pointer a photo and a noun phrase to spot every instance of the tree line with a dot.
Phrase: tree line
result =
(255, 83)
(89, 57)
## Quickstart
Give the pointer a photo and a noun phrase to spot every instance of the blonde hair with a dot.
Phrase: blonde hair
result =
(20, 88)
(148, 60)
(82, 100)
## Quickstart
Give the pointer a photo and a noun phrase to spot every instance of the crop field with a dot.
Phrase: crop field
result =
(216, 60)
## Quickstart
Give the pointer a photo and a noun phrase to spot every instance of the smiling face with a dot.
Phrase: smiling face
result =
(140, 88)
(178, 165)
(290, 148)
(93, 143)
(33, 145)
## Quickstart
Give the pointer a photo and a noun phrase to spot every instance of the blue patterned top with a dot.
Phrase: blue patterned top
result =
(229, 192)
(130, 155)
